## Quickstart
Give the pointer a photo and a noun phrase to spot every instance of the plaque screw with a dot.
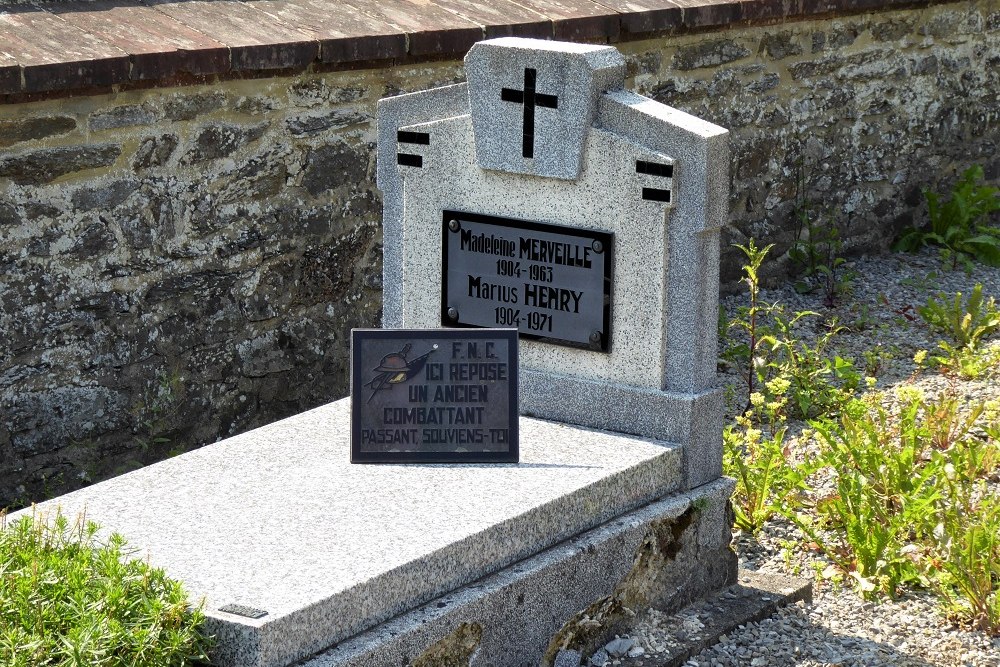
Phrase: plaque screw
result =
(595, 336)
(598, 247)
(453, 312)
(454, 225)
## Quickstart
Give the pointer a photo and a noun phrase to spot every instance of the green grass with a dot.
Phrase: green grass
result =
(69, 600)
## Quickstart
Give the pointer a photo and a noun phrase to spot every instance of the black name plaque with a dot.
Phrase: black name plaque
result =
(551, 283)
(434, 396)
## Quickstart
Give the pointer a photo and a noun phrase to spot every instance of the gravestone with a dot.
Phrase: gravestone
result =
(543, 152)
(611, 204)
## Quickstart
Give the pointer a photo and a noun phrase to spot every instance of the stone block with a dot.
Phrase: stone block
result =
(40, 422)
(333, 120)
(8, 215)
(393, 113)
(123, 116)
(154, 151)
(518, 78)
(654, 181)
(47, 164)
(780, 45)
(569, 600)
(709, 54)
(694, 420)
(279, 520)
(333, 165)
(221, 140)
(189, 107)
(40, 127)
(105, 197)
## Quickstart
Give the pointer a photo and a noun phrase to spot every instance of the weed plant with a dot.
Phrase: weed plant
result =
(741, 334)
(817, 252)
(817, 383)
(910, 503)
(757, 457)
(760, 340)
(966, 567)
(882, 494)
(68, 600)
(897, 491)
(967, 324)
(959, 226)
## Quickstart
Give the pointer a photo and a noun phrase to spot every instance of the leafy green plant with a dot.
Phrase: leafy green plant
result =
(882, 496)
(967, 324)
(910, 503)
(760, 340)
(968, 364)
(963, 565)
(816, 383)
(817, 252)
(748, 320)
(758, 460)
(68, 600)
(861, 318)
(158, 412)
(956, 225)
(966, 567)
(877, 357)
(924, 283)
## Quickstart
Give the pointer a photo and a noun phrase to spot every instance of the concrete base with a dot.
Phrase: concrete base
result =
(702, 623)
(278, 520)
(574, 596)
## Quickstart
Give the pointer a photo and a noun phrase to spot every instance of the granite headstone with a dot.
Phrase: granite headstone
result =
(498, 194)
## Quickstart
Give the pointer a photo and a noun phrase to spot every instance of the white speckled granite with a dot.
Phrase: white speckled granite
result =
(278, 519)
(659, 378)
(692, 419)
(393, 113)
(575, 74)
(451, 180)
(691, 302)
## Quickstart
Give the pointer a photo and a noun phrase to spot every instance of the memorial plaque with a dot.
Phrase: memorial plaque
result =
(549, 282)
(434, 396)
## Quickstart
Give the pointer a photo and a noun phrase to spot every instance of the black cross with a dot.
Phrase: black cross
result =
(530, 99)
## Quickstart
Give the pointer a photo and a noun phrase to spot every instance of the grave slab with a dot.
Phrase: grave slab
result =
(278, 520)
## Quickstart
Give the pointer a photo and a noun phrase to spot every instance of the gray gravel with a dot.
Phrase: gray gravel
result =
(838, 627)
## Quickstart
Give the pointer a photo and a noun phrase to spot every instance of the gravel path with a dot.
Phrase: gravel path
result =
(839, 628)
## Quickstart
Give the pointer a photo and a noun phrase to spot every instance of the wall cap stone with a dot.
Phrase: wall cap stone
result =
(122, 44)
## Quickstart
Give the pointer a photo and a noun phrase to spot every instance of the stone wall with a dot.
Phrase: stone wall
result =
(849, 116)
(181, 264)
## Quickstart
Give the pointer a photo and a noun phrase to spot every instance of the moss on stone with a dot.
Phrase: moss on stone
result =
(455, 650)
(588, 629)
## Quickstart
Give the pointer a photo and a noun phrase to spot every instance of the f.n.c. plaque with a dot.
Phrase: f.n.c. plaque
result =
(434, 396)
(549, 282)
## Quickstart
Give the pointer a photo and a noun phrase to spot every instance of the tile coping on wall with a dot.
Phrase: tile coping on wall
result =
(63, 48)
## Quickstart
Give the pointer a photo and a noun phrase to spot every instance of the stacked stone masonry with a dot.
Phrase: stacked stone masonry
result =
(179, 263)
